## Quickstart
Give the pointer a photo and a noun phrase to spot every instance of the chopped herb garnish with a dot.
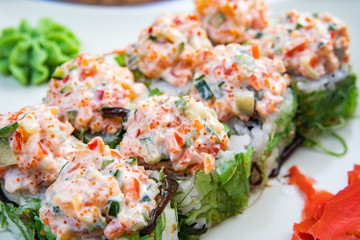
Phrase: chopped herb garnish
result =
(106, 162)
(181, 47)
(332, 26)
(316, 15)
(203, 89)
(132, 160)
(321, 44)
(299, 26)
(120, 59)
(115, 173)
(137, 74)
(201, 77)
(221, 84)
(181, 103)
(114, 208)
(246, 43)
(152, 38)
(155, 92)
(147, 84)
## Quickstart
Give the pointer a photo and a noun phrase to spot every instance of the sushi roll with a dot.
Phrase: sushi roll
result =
(99, 195)
(93, 95)
(34, 147)
(252, 96)
(169, 49)
(314, 48)
(183, 137)
(230, 21)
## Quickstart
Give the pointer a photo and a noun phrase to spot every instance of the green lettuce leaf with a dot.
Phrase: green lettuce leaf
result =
(24, 221)
(222, 193)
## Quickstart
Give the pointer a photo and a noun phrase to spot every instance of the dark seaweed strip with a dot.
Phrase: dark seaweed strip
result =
(109, 112)
(170, 186)
(190, 230)
(5, 199)
(255, 167)
(286, 154)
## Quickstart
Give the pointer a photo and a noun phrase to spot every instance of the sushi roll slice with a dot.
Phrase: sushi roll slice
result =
(314, 48)
(94, 96)
(183, 137)
(252, 96)
(34, 146)
(232, 21)
(169, 49)
(99, 195)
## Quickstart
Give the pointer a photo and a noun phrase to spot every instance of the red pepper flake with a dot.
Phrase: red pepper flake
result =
(327, 216)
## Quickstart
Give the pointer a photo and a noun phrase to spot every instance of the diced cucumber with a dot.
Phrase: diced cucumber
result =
(7, 157)
(218, 19)
(245, 59)
(181, 103)
(59, 73)
(114, 208)
(245, 102)
(71, 116)
(196, 110)
(9, 130)
(132, 160)
(203, 89)
(152, 154)
(65, 89)
(305, 62)
(106, 162)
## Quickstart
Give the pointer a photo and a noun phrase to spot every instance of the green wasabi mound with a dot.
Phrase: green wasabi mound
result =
(31, 54)
(321, 112)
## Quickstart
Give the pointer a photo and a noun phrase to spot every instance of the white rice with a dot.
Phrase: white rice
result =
(326, 82)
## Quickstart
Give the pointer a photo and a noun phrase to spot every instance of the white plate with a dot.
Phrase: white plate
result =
(102, 29)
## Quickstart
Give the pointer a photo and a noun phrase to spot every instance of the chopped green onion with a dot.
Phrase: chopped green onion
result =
(114, 208)
(137, 74)
(147, 84)
(221, 84)
(201, 77)
(299, 26)
(71, 116)
(115, 173)
(106, 162)
(155, 92)
(320, 44)
(181, 47)
(120, 59)
(203, 89)
(152, 38)
(132, 160)
(7, 131)
(181, 103)
(246, 43)
(332, 26)
(316, 15)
